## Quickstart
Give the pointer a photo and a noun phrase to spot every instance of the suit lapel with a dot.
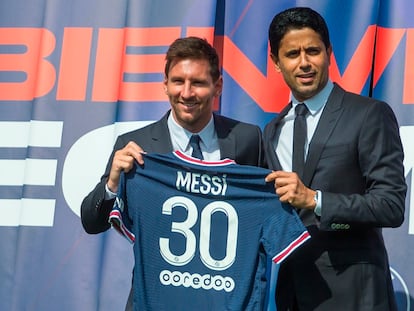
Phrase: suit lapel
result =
(226, 139)
(159, 140)
(272, 159)
(327, 123)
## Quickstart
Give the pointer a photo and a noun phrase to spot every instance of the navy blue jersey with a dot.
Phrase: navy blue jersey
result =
(202, 232)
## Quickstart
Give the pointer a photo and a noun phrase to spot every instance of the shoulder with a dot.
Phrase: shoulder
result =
(353, 100)
(360, 109)
(234, 125)
(159, 127)
(156, 132)
(143, 130)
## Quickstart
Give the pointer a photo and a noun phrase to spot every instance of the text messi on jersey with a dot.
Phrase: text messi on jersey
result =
(201, 183)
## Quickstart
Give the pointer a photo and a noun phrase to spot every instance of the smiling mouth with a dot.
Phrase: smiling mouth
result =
(189, 105)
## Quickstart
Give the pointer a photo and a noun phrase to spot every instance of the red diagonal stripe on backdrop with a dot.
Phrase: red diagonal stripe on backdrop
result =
(387, 42)
(268, 91)
(241, 17)
(408, 95)
(359, 68)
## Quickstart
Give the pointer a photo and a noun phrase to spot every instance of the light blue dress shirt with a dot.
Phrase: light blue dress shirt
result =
(283, 143)
(180, 139)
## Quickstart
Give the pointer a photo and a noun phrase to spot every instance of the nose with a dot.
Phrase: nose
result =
(187, 90)
(304, 61)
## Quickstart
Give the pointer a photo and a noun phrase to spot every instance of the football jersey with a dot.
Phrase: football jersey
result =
(202, 232)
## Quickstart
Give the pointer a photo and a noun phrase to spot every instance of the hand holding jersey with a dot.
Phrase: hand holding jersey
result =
(202, 232)
(290, 189)
(192, 82)
(123, 161)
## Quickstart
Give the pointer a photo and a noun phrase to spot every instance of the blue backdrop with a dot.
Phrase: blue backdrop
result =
(75, 74)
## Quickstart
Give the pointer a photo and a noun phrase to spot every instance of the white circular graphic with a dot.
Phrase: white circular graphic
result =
(86, 160)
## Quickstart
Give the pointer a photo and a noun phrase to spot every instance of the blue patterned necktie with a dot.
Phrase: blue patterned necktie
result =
(195, 144)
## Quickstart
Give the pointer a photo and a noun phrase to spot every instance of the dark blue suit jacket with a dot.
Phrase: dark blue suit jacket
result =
(356, 159)
(237, 140)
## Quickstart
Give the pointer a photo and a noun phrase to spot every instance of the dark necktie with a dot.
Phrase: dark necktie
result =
(299, 139)
(195, 144)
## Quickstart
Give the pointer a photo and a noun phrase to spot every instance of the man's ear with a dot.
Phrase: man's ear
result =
(275, 61)
(329, 52)
(219, 86)
(165, 85)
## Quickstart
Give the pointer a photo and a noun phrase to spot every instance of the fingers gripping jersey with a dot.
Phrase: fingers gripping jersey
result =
(202, 232)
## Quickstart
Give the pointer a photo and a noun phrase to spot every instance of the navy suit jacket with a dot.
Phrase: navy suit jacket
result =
(355, 159)
(237, 140)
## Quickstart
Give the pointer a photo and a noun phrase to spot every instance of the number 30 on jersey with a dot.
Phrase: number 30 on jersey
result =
(185, 229)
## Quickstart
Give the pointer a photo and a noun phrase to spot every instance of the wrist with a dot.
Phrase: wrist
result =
(318, 202)
(110, 187)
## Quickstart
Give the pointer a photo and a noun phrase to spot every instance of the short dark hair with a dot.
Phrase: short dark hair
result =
(193, 48)
(296, 18)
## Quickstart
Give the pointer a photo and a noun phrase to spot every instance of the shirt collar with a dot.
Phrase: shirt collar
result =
(318, 101)
(182, 136)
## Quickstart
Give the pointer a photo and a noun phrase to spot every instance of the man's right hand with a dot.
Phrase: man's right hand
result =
(124, 161)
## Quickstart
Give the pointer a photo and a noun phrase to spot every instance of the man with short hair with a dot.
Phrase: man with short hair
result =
(192, 81)
(347, 184)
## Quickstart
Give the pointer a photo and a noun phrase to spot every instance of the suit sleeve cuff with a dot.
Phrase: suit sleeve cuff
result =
(318, 200)
(108, 193)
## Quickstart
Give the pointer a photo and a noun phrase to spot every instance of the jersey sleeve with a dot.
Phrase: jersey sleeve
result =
(283, 232)
(118, 217)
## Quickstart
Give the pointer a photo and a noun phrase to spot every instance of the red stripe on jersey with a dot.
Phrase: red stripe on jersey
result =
(115, 219)
(187, 158)
(292, 246)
